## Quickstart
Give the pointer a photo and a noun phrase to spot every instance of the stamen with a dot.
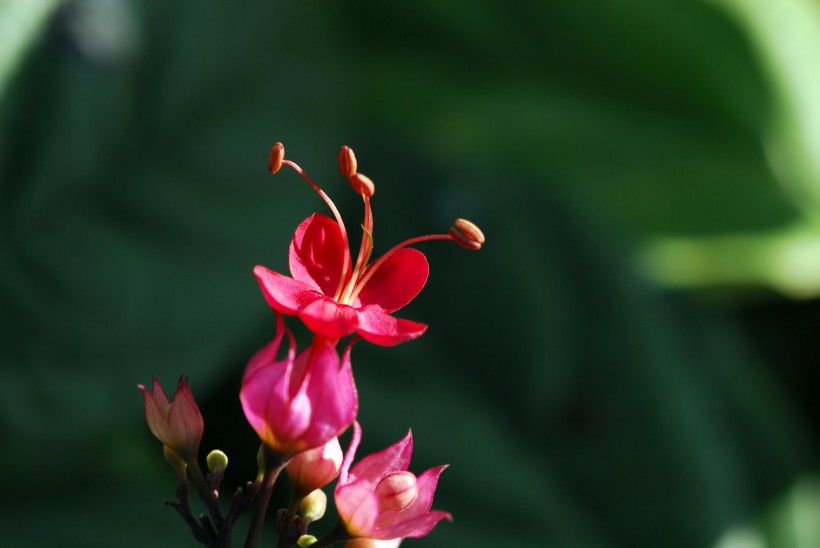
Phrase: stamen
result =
(362, 184)
(347, 161)
(276, 159)
(467, 234)
(365, 250)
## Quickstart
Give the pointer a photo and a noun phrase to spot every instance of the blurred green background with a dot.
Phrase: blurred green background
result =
(632, 360)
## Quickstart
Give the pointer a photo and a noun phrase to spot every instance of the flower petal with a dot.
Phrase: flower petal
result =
(334, 392)
(284, 294)
(358, 508)
(327, 318)
(374, 467)
(317, 254)
(397, 281)
(383, 329)
(415, 527)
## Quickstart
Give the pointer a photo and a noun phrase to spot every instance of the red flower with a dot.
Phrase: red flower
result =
(335, 298)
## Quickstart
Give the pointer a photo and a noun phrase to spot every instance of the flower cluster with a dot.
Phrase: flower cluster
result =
(300, 401)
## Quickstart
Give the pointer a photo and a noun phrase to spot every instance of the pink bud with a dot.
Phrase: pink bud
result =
(177, 424)
(378, 499)
(315, 468)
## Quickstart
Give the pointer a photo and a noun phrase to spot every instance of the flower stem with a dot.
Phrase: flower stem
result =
(273, 467)
(206, 494)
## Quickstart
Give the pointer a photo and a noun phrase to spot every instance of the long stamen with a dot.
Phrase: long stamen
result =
(365, 250)
(339, 221)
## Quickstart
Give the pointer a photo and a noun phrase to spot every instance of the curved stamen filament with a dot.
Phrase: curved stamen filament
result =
(332, 206)
(365, 250)
(370, 270)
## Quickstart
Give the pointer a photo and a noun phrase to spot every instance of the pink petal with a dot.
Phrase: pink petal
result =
(154, 415)
(264, 396)
(351, 453)
(334, 395)
(358, 508)
(159, 395)
(284, 294)
(185, 422)
(397, 281)
(383, 329)
(329, 319)
(317, 254)
(414, 527)
(376, 466)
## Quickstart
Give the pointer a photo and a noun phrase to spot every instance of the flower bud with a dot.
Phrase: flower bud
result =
(177, 424)
(306, 540)
(313, 506)
(217, 461)
(362, 184)
(347, 161)
(315, 468)
(467, 234)
(397, 491)
(276, 157)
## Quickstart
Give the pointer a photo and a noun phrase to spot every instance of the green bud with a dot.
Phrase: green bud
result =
(217, 461)
(306, 540)
(313, 506)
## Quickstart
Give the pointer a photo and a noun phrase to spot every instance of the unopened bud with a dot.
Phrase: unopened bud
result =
(347, 161)
(397, 491)
(217, 461)
(276, 157)
(466, 234)
(362, 184)
(306, 540)
(313, 506)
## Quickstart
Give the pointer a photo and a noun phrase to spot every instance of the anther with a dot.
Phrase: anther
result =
(347, 161)
(276, 157)
(467, 234)
(362, 184)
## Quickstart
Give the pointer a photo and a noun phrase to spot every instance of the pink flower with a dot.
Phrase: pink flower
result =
(177, 424)
(301, 401)
(315, 468)
(379, 499)
(335, 298)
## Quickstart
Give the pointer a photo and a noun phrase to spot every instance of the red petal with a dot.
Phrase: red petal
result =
(284, 294)
(383, 329)
(329, 319)
(397, 281)
(317, 253)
